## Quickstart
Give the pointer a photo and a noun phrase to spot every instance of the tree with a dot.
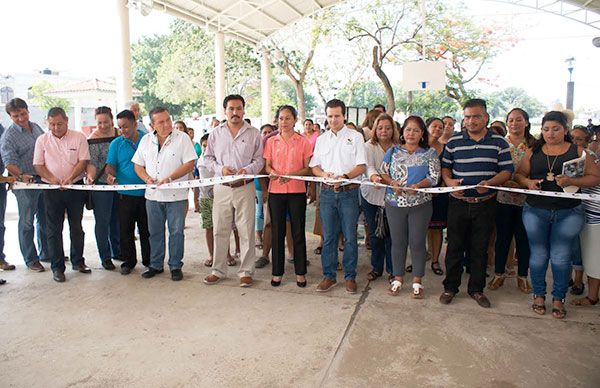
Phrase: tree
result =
(38, 92)
(501, 102)
(429, 104)
(389, 28)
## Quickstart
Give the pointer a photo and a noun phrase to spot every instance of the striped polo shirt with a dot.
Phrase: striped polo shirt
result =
(475, 161)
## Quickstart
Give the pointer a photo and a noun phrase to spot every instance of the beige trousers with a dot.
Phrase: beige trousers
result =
(226, 199)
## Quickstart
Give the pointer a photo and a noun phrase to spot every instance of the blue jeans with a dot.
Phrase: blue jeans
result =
(31, 204)
(381, 249)
(551, 234)
(577, 259)
(173, 213)
(106, 214)
(260, 215)
(339, 213)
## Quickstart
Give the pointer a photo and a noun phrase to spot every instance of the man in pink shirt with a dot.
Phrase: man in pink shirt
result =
(60, 157)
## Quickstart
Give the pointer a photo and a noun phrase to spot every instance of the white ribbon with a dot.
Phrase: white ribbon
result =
(329, 181)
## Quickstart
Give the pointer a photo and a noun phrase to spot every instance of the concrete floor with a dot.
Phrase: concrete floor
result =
(105, 330)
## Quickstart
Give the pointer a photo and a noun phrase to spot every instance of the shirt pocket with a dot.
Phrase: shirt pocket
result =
(72, 156)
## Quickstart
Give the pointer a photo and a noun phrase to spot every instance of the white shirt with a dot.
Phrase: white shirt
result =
(339, 153)
(177, 150)
(375, 196)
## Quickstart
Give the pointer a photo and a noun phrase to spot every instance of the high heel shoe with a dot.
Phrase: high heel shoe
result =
(301, 284)
(275, 283)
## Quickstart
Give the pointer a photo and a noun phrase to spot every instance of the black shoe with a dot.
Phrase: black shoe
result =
(125, 270)
(151, 272)
(577, 289)
(2, 281)
(447, 297)
(108, 265)
(82, 268)
(58, 276)
(301, 284)
(275, 283)
(481, 299)
(176, 275)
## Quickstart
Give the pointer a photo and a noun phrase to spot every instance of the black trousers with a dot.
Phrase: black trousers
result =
(132, 210)
(470, 226)
(279, 206)
(57, 203)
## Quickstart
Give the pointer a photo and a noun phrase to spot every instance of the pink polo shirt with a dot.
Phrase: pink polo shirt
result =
(60, 155)
(287, 156)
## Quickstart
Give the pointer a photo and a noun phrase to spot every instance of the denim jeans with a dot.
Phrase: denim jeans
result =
(260, 215)
(509, 223)
(2, 214)
(339, 213)
(551, 234)
(577, 258)
(132, 211)
(58, 202)
(31, 204)
(173, 213)
(381, 249)
(106, 229)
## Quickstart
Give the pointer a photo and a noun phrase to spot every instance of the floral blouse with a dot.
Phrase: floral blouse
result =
(517, 153)
(410, 169)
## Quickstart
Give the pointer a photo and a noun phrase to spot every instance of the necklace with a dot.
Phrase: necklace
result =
(550, 175)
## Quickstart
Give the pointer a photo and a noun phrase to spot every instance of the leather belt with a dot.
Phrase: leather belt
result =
(340, 188)
(475, 199)
(239, 183)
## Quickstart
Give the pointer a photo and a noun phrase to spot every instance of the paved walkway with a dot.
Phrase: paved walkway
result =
(104, 330)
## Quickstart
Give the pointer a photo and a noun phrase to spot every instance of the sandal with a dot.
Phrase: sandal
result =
(417, 291)
(435, 267)
(231, 261)
(523, 285)
(318, 250)
(559, 312)
(586, 301)
(496, 282)
(373, 275)
(539, 309)
(409, 268)
(395, 287)
(208, 262)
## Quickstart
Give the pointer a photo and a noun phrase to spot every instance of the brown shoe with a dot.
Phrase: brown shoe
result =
(36, 266)
(447, 297)
(245, 281)
(351, 286)
(82, 268)
(58, 276)
(496, 282)
(212, 279)
(326, 284)
(481, 299)
(6, 266)
(524, 285)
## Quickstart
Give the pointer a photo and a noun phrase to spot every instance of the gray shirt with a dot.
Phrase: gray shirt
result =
(17, 145)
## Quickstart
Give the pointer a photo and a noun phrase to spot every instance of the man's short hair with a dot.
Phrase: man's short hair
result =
(15, 104)
(475, 102)
(157, 110)
(126, 114)
(379, 106)
(56, 111)
(130, 103)
(204, 137)
(233, 97)
(335, 103)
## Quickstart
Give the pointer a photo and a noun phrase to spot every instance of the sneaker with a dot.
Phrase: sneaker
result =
(176, 275)
(481, 299)
(447, 297)
(245, 281)
(326, 284)
(262, 262)
(36, 266)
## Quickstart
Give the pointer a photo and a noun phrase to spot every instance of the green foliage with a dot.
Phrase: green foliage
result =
(429, 104)
(363, 93)
(501, 102)
(38, 91)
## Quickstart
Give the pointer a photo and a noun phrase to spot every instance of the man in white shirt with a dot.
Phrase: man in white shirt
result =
(164, 156)
(339, 153)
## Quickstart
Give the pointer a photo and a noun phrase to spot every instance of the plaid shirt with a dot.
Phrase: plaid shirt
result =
(17, 145)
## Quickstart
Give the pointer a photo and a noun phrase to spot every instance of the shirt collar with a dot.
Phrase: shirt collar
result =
(341, 132)
(488, 134)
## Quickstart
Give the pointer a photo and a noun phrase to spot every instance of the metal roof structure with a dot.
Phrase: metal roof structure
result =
(582, 11)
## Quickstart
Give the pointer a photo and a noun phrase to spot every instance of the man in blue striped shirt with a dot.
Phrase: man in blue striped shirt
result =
(476, 156)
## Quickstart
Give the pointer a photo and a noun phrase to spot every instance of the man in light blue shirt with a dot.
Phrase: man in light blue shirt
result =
(16, 146)
(132, 204)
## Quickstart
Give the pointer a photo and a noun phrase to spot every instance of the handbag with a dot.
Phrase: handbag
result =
(382, 229)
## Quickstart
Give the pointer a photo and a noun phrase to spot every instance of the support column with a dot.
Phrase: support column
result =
(124, 87)
(219, 73)
(77, 114)
(265, 88)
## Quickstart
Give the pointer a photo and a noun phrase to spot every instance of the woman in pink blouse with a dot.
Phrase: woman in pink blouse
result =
(287, 153)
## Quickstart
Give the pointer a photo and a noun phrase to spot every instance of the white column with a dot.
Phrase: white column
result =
(219, 73)
(265, 88)
(77, 111)
(123, 52)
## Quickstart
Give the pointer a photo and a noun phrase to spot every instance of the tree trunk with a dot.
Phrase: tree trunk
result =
(300, 97)
(387, 86)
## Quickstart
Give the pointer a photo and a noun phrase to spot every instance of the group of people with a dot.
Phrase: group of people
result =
(415, 155)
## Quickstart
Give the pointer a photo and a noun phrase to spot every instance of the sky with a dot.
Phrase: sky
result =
(77, 37)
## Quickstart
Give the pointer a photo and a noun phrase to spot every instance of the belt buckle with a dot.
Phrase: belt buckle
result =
(337, 189)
